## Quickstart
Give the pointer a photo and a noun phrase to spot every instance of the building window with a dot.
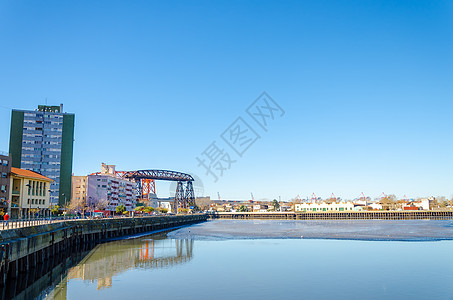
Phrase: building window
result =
(43, 202)
(40, 189)
(28, 201)
(44, 189)
(3, 188)
(33, 188)
(4, 175)
(5, 162)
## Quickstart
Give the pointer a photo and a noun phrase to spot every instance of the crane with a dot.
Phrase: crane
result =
(313, 197)
(333, 197)
(298, 199)
(362, 197)
(253, 198)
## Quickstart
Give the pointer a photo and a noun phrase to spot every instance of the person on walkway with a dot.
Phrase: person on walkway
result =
(6, 218)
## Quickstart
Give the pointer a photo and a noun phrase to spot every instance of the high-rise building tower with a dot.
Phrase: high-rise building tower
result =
(42, 141)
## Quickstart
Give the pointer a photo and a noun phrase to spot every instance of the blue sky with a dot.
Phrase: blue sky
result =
(366, 87)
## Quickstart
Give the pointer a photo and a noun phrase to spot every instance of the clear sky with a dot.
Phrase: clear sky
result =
(366, 87)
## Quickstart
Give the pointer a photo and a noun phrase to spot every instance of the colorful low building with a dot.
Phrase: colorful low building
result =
(29, 194)
(324, 207)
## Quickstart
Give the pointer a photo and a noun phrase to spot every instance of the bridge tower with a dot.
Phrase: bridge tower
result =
(148, 186)
(180, 200)
(189, 195)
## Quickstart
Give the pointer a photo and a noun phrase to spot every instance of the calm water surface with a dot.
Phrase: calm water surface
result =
(270, 260)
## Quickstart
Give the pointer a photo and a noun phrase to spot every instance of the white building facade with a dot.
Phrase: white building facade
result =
(324, 207)
(108, 191)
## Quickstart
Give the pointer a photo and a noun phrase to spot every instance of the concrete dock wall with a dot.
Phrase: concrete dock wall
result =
(25, 248)
(364, 215)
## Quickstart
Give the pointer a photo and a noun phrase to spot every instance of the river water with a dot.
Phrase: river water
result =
(226, 259)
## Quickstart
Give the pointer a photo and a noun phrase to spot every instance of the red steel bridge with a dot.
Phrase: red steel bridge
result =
(145, 179)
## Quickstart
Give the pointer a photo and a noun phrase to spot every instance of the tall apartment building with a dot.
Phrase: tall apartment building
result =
(42, 141)
(105, 191)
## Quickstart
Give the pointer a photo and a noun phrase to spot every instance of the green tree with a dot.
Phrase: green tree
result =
(120, 209)
(276, 204)
(162, 210)
(148, 209)
(55, 209)
(139, 208)
(242, 208)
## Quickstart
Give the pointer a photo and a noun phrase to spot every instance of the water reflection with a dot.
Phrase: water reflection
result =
(108, 260)
(42, 278)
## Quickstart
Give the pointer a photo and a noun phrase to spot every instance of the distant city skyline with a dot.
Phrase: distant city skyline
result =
(365, 88)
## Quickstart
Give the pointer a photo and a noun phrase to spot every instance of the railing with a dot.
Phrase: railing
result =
(15, 223)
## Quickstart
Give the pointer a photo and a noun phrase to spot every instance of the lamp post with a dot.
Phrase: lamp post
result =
(50, 205)
(90, 205)
(29, 200)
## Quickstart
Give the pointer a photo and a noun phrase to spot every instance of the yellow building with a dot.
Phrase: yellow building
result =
(29, 194)
(79, 191)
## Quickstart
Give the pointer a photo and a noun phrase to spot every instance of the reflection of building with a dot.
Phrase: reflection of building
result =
(111, 259)
(5, 169)
(107, 191)
(29, 190)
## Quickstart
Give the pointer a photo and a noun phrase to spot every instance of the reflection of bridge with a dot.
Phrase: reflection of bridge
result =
(110, 259)
(184, 196)
(147, 259)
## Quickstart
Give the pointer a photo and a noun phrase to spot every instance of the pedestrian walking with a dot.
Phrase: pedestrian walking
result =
(6, 218)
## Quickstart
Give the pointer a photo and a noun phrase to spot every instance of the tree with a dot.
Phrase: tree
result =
(102, 204)
(441, 202)
(388, 202)
(139, 208)
(55, 209)
(77, 205)
(120, 209)
(276, 204)
(242, 208)
(162, 210)
(148, 209)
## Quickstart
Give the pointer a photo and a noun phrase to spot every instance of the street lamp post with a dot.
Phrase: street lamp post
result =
(50, 206)
(29, 200)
